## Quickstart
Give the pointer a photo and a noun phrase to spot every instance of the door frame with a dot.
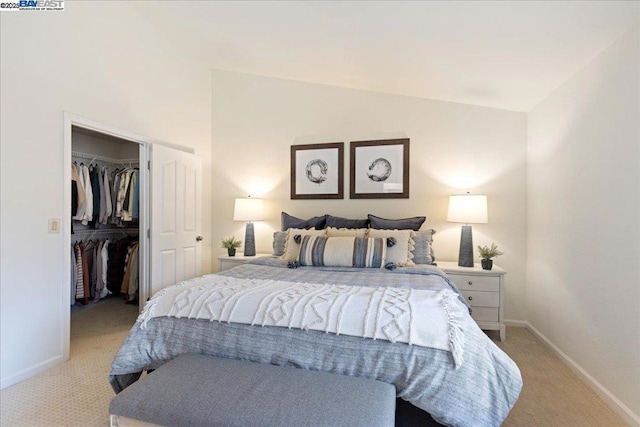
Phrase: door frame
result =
(145, 142)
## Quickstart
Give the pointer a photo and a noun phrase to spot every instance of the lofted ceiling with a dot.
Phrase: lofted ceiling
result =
(502, 54)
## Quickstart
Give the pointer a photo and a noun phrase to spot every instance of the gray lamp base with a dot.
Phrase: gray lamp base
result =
(249, 241)
(465, 257)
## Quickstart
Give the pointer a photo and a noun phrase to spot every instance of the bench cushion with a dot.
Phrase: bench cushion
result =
(197, 390)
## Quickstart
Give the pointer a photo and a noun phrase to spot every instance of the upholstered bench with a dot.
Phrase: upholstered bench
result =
(196, 390)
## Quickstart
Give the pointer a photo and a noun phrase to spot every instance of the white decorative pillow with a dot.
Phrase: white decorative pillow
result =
(291, 248)
(346, 232)
(343, 252)
(400, 252)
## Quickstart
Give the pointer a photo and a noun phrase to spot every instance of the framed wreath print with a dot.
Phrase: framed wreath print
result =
(317, 171)
(380, 169)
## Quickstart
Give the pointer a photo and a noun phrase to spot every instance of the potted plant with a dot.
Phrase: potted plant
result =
(486, 253)
(231, 244)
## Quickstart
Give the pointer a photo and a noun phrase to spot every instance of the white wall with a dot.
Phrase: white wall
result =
(102, 61)
(454, 147)
(583, 275)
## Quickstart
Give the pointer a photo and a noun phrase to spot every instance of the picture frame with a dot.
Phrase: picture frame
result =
(317, 171)
(379, 169)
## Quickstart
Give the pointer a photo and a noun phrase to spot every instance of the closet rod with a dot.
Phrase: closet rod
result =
(93, 157)
(99, 231)
(106, 230)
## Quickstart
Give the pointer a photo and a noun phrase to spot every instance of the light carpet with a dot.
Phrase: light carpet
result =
(552, 395)
(77, 393)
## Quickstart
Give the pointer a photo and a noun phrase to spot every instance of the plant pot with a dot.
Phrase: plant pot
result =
(231, 251)
(487, 264)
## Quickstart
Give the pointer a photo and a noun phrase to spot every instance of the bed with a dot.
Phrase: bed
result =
(471, 383)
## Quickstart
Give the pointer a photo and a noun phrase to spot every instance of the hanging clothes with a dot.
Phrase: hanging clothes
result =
(78, 177)
(88, 210)
(107, 188)
(117, 258)
(135, 212)
(122, 195)
(79, 282)
(91, 248)
(99, 190)
(131, 277)
(114, 199)
(104, 291)
(78, 195)
(74, 275)
(134, 275)
(105, 198)
(92, 266)
(86, 274)
(74, 190)
(127, 204)
(95, 189)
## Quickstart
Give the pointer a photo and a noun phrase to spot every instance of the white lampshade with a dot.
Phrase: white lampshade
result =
(248, 209)
(468, 208)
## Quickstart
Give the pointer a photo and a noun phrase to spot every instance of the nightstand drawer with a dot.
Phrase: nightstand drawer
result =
(482, 299)
(485, 314)
(476, 283)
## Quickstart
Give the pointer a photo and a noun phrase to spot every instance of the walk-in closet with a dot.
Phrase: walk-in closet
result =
(133, 225)
(105, 261)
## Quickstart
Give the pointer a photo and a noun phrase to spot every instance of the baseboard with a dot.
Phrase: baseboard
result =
(30, 372)
(611, 401)
(515, 323)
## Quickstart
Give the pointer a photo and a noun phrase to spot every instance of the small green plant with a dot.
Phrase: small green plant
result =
(489, 252)
(230, 243)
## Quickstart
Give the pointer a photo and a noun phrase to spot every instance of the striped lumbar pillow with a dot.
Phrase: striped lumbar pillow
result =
(343, 251)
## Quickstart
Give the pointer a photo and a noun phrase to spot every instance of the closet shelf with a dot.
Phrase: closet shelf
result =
(79, 155)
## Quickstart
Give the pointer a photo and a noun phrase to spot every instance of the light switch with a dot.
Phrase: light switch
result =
(54, 225)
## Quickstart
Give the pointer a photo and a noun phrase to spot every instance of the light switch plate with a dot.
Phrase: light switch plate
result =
(54, 225)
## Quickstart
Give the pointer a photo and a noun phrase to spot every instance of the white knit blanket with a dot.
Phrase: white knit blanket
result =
(414, 316)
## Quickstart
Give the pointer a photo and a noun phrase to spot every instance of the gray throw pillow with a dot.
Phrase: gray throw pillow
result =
(338, 222)
(279, 239)
(423, 249)
(289, 221)
(413, 223)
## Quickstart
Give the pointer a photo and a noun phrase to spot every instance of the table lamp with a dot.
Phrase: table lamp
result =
(468, 209)
(248, 209)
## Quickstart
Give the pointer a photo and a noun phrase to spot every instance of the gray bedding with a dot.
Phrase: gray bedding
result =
(480, 392)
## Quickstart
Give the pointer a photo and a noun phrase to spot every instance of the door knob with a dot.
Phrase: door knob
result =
(199, 238)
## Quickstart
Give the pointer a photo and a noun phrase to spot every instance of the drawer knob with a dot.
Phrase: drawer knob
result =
(470, 283)
(470, 298)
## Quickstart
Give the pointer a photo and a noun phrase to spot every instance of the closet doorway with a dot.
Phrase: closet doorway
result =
(105, 219)
(153, 224)
(107, 227)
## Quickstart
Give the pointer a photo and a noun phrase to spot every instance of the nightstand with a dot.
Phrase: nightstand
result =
(483, 290)
(226, 262)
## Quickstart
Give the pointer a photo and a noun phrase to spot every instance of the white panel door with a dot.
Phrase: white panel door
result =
(176, 217)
